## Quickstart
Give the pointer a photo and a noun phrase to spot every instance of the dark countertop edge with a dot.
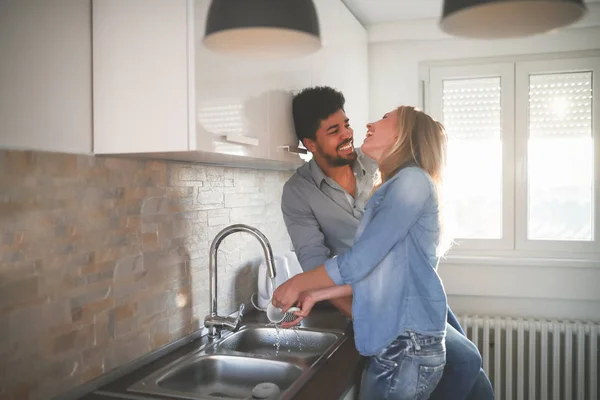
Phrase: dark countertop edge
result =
(124, 370)
(114, 384)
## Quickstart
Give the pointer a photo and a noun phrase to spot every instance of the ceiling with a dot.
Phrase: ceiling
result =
(370, 12)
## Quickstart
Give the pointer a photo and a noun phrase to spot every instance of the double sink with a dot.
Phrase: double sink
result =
(233, 366)
(255, 355)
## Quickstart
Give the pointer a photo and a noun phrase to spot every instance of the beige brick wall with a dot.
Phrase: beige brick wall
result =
(104, 259)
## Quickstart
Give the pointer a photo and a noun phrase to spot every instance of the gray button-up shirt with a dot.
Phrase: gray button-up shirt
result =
(320, 216)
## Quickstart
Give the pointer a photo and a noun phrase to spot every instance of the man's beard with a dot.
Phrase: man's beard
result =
(337, 161)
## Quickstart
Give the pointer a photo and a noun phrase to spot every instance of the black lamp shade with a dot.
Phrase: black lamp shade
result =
(508, 18)
(263, 28)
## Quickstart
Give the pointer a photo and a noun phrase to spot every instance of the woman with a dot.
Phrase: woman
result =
(399, 307)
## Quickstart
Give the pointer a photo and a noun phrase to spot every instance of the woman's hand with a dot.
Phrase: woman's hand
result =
(306, 301)
(308, 298)
(287, 294)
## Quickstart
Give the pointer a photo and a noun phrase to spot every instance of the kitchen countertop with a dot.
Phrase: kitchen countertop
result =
(329, 379)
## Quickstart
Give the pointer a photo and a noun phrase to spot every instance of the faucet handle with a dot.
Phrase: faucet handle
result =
(240, 313)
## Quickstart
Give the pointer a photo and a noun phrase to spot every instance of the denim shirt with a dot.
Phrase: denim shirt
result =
(392, 264)
(319, 217)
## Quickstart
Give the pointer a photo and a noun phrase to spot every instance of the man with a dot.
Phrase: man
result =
(324, 200)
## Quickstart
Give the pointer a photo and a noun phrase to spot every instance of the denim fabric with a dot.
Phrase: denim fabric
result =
(453, 321)
(409, 368)
(458, 355)
(482, 389)
(322, 225)
(462, 370)
(319, 218)
(392, 264)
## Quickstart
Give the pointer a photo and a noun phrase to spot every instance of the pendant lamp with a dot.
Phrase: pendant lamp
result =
(490, 19)
(263, 28)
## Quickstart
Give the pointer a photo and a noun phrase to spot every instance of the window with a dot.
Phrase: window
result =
(560, 194)
(523, 153)
(471, 111)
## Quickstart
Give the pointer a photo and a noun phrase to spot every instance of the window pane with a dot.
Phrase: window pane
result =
(472, 116)
(560, 157)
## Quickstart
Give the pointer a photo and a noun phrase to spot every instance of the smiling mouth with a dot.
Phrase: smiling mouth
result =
(346, 146)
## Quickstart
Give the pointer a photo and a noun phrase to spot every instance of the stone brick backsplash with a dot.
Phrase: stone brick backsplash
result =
(104, 259)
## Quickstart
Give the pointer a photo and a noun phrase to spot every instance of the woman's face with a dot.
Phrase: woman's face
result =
(381, 136)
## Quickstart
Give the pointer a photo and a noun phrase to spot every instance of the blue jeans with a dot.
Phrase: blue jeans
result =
(463, 376)
(409, 368)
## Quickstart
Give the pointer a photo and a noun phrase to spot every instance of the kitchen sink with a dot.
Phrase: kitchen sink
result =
(276, 342)
(219, 377)
(230, 367)
(227, 376)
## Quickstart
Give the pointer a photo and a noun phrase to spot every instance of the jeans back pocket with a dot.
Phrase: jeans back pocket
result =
(429, 377)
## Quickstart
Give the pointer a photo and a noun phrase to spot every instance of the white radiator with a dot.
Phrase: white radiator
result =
(537, 359)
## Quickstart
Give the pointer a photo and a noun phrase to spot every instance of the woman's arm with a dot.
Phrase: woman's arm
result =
(308, 299)
(329, 293)
(287, 294)
(403, 202)
(401, 206)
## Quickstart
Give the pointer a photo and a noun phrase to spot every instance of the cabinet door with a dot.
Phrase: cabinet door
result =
(293, 76)
(231, 108)
(342, 63)
(243, 105)
(45, 76)
(353, 55)
(285, 145)
(327, 63)
(140, 78)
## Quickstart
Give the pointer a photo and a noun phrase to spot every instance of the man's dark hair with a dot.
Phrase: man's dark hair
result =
(311, 106)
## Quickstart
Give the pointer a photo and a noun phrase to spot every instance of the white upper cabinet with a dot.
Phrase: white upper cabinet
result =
(158, 92)
(242, 101)
(46, 76)
(141, 76)
(343, 62)
(355, 82)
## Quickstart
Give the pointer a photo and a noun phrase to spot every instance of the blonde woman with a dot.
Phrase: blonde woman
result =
(399, 303)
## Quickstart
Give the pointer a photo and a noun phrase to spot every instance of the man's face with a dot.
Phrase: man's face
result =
(334, 141)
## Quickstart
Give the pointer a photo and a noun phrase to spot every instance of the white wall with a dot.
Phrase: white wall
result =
(394, 66)
(560, 289)
(46, 75)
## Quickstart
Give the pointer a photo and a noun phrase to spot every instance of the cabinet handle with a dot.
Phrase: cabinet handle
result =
(294, 149)
(241, 139)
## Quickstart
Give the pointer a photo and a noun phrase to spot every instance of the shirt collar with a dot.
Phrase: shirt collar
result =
(318, 175)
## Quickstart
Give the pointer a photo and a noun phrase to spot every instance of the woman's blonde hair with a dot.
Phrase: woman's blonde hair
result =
(422, 141)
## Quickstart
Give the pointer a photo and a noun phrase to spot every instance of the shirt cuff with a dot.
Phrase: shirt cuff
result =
(331, 266)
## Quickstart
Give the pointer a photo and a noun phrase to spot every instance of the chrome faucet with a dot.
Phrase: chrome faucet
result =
(213, 321)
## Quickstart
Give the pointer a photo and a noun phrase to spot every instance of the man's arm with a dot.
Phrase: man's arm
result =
(303, 228)
(307, 238)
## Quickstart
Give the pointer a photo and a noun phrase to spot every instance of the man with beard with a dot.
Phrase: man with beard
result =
(324, 201)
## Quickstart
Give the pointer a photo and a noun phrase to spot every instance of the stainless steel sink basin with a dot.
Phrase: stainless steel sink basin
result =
(220, 376)
(275, 342)
(230, 367)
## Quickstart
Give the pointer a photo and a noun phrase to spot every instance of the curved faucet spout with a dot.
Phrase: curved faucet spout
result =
(264, 242)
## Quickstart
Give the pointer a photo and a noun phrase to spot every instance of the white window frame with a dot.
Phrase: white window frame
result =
(505, 71)
(516, 69)
(523, 71)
